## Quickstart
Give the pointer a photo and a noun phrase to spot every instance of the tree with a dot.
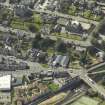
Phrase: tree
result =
(101, 26)
(60, 46)
(33, 28)
(83, 58)
(94, 41)
(95, 34)
(44, 43)
(35, 42)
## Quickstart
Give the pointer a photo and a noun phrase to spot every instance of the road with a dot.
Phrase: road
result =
(96, 66)
(55, 13)
(32, 35)
(97, 72)
(101, 4)
(84, 76)
(34, 67)
(76, 42)
(93, 85)
(7, 2)
(7, 29)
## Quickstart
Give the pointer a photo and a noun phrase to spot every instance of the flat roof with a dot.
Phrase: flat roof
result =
(5, 82)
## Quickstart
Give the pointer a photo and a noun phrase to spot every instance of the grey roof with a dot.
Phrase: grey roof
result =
(57, 60)
(61, 60)
(65, 61)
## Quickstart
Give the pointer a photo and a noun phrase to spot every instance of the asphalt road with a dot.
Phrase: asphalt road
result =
(93, 85)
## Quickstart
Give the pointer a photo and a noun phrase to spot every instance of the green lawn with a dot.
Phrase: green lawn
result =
(37, 18)
(18, 23)
(50, 51)
(71, 36)
(73, 10)
(53, 87)
(45, 65)
(85, 101)
(103, 103)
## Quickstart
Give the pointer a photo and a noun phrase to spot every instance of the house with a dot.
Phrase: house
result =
(45, 29)
(75, 27)
(52, 5)
(62, 21)
(2, 1)
(19, 102)
(42, 57)
(16, 81)
(80, 49)
(100, 55)
(27, 2)
(63, 30)
(5, 83)
(5, 97)
(23, 12)
(57, 28)
(46, 18)
(14, 1)
(97, 11)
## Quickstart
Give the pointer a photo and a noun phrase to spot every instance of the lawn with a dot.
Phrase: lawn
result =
(103, 103)
(73, 10)
(45, 65)
(67, 36)
(53, 87)
(85, 101)
(50, 51)
(18, 23)
(18, 26)
(37, 18)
